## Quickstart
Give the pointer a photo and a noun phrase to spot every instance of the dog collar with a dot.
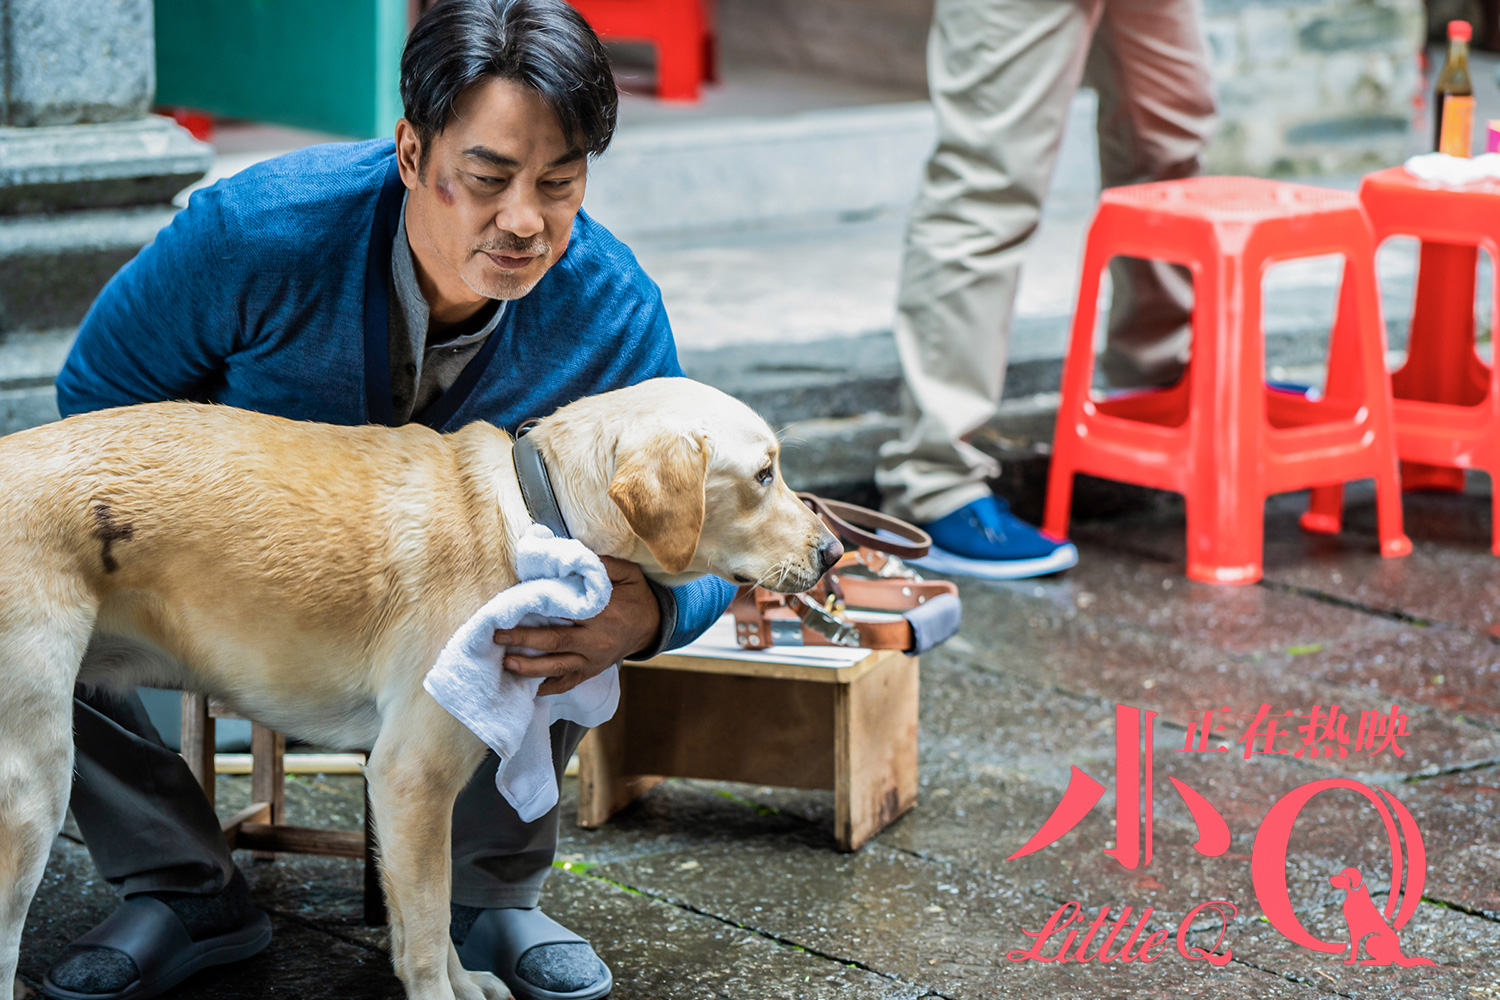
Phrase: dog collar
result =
(536, 486)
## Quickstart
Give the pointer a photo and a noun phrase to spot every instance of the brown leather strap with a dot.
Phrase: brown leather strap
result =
(893, 634)
(857, 526)
(886, 595)
(755, 609)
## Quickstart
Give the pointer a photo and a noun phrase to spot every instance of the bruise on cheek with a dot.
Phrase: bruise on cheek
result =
(444, 189)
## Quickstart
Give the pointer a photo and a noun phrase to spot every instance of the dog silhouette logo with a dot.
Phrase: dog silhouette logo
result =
(1371, 929)
(1367, 927)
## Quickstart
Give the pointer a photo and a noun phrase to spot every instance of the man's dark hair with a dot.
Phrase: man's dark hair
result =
(543, 44)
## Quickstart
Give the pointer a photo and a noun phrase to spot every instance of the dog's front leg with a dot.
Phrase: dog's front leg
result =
(419, 764)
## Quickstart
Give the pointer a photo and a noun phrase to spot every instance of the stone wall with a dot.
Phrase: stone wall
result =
(1305, 86)
(86, 177)
(1315, 86)
(879, 41)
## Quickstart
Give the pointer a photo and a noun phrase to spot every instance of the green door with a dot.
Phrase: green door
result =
(330, 65)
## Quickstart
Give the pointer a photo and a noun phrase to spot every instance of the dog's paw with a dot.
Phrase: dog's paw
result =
(479, 986)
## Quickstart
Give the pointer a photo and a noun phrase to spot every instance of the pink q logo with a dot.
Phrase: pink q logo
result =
(1367, 926)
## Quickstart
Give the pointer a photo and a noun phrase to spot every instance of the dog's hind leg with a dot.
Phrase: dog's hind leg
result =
(39, 656)
(419, 764)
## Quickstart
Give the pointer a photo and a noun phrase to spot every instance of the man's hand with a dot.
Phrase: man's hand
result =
(571, 654)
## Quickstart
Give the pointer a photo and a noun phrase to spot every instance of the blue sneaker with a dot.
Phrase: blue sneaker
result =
(984, 539)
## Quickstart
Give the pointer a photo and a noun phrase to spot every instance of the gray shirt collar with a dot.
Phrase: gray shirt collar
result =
(414, 306)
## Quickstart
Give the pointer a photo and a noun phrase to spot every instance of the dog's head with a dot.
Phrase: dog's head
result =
(684, 480)
(1349, 879)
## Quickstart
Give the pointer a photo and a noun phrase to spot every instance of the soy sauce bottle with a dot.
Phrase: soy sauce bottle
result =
(1453, 105)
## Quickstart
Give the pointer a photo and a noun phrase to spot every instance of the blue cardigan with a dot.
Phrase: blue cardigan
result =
(270, 292)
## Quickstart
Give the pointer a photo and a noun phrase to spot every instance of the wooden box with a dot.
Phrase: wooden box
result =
(793, 716)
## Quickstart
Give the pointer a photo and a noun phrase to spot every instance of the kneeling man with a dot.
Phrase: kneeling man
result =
(444, 278)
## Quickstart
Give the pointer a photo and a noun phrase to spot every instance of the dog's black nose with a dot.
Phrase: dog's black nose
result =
(829, 553)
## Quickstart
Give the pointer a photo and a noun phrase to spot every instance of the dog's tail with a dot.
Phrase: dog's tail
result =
(44, 631)
(1408, 960)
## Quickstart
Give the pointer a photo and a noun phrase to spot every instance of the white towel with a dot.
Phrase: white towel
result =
(1454, 171)
(561, 582)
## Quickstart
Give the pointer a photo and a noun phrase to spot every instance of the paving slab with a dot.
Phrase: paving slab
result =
(1451, 577)
(929, 924)
(660, 951)
(1113, 648)
(1465, 948)
(1469, 881)
(1459, 816)
(1447, 670)
(973, 813)
(303, 961)
(1110, 586)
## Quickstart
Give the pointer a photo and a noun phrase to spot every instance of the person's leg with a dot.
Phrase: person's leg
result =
(498, 860)
(143, 816)
(151, 833)
(1002, 74)
(499, 866)
(1149, 63)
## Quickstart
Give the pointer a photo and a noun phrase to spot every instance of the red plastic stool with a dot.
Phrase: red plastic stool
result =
(1219, 436)
(681, 30)
(1447, 399)
(199, 123)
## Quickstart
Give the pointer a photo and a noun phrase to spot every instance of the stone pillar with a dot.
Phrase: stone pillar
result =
(86, 176)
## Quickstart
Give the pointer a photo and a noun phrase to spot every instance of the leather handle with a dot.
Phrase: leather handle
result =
(857, 525)
(893, 634)
(889, 595)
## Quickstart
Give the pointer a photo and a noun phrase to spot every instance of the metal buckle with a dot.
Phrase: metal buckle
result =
(786, 632)
(891, 568)
(895, 567)
(836, 629)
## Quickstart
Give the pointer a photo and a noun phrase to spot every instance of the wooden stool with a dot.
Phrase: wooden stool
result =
(794, 716)
(261, 826)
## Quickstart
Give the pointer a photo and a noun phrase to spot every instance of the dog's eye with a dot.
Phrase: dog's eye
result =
(765, 476)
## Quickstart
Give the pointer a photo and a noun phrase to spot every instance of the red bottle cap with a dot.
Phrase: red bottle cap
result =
(1460, 30)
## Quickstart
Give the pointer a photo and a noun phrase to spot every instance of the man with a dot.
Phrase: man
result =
(1003, 74)
(447, 277)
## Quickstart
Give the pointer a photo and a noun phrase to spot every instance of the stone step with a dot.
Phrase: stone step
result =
(52, 266)
(693, 175)
(68, 167)
(715, 175)
(837, 457)
(28, 364)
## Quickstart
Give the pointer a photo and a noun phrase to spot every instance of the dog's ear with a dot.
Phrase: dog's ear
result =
(659, 488)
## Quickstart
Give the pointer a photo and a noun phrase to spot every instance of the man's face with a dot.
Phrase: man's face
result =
(494, 206)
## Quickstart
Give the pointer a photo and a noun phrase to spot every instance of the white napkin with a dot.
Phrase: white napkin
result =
(1454, 171)
(561, 582)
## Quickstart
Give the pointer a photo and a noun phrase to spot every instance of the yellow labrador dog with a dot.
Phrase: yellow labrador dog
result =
(309, 575)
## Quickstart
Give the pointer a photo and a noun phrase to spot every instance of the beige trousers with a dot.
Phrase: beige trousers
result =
(1003, 74)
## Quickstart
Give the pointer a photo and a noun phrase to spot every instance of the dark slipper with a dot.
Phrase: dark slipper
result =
(500, 939)
(150, 934)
